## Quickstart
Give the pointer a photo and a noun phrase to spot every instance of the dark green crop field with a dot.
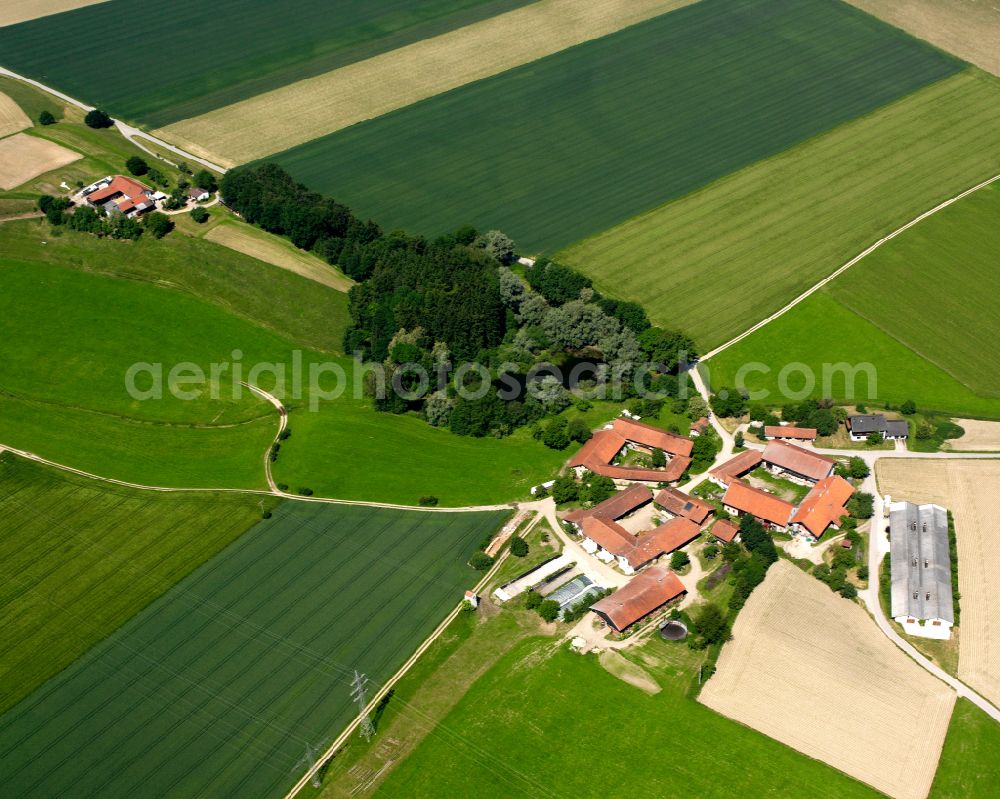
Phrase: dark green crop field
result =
(221, 685)
(103, 550)
(160, 62)
(561, 148)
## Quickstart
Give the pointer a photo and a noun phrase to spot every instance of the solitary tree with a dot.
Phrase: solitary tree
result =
(908, 408)
(659, 458)
(159, 224)
(875, 438)
(679, 560)
(858, 468)
(136, 165)
(556, 434)
(98, 119)
(480, 561)
(549, 610)
(518, 547)
(46, 118)
(199, 215)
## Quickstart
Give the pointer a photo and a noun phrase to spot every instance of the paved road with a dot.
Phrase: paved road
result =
(131, 133)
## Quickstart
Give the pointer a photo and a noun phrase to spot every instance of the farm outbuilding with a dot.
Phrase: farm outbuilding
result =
(922, 599)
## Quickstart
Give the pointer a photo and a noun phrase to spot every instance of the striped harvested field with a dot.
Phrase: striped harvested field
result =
(14, 11)
(968, 28)
(221, 686)
(717, 261)
(813, 671)
(258, 126)
(12, 118)
(277, 252)
(23, 157)
(970, 489)
(561, 148)
(979, 436)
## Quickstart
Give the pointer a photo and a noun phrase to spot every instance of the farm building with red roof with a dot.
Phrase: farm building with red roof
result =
(797, 463)
(643, 595)
(823, 507)
(781, 431)
(609, 542)
(725, 530)
(124, 195)
(742, 499)
(735, 468)
(677, 503)
(598, 454)
(621, 504)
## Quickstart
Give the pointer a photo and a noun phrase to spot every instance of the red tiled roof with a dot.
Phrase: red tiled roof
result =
(824, 505)
(735, 467)
(725, 530)
(600, 449)
(653, 437)
(622, 503)
(120, 184)
(787, 431)
(764, 506)
(700, 425)
(661, 540)
(597, 454)
(680, 504)
(608, 535)
(800, 461)
(641, 596)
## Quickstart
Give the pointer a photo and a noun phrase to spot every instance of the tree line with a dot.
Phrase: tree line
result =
(456, 298)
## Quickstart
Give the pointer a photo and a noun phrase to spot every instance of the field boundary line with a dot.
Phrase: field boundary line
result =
(341, 739)
(31, 456)
(860, 256)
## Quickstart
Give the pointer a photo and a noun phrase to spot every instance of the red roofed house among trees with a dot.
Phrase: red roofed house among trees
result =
(123, 195)
(643, 595)
(725, 530)
(608, 541)
(600, 451)
(621, 504)
(677, 503)
(789, 432)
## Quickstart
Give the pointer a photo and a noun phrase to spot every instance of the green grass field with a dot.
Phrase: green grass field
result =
(919, 309)
(103, 551)
(723, 258)
(220, 685)
(553, 723)
(939, 300)
(821, 331)
(94, 307)
(189, 57)
(970, 762)
(572, 144)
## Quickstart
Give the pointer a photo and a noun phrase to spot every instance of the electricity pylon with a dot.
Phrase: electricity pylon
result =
(359, 691)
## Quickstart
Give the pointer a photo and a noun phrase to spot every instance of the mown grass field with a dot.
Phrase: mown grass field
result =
(970, 763)
(221, 685)
(104, 552)
(572, 144)
(821, 331)
(94, 307)
(220, 52)
(721, 259)
(938, 301)
(542, 712)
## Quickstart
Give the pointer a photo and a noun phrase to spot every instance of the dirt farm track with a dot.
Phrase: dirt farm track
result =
(969, 489)
(813, 671)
